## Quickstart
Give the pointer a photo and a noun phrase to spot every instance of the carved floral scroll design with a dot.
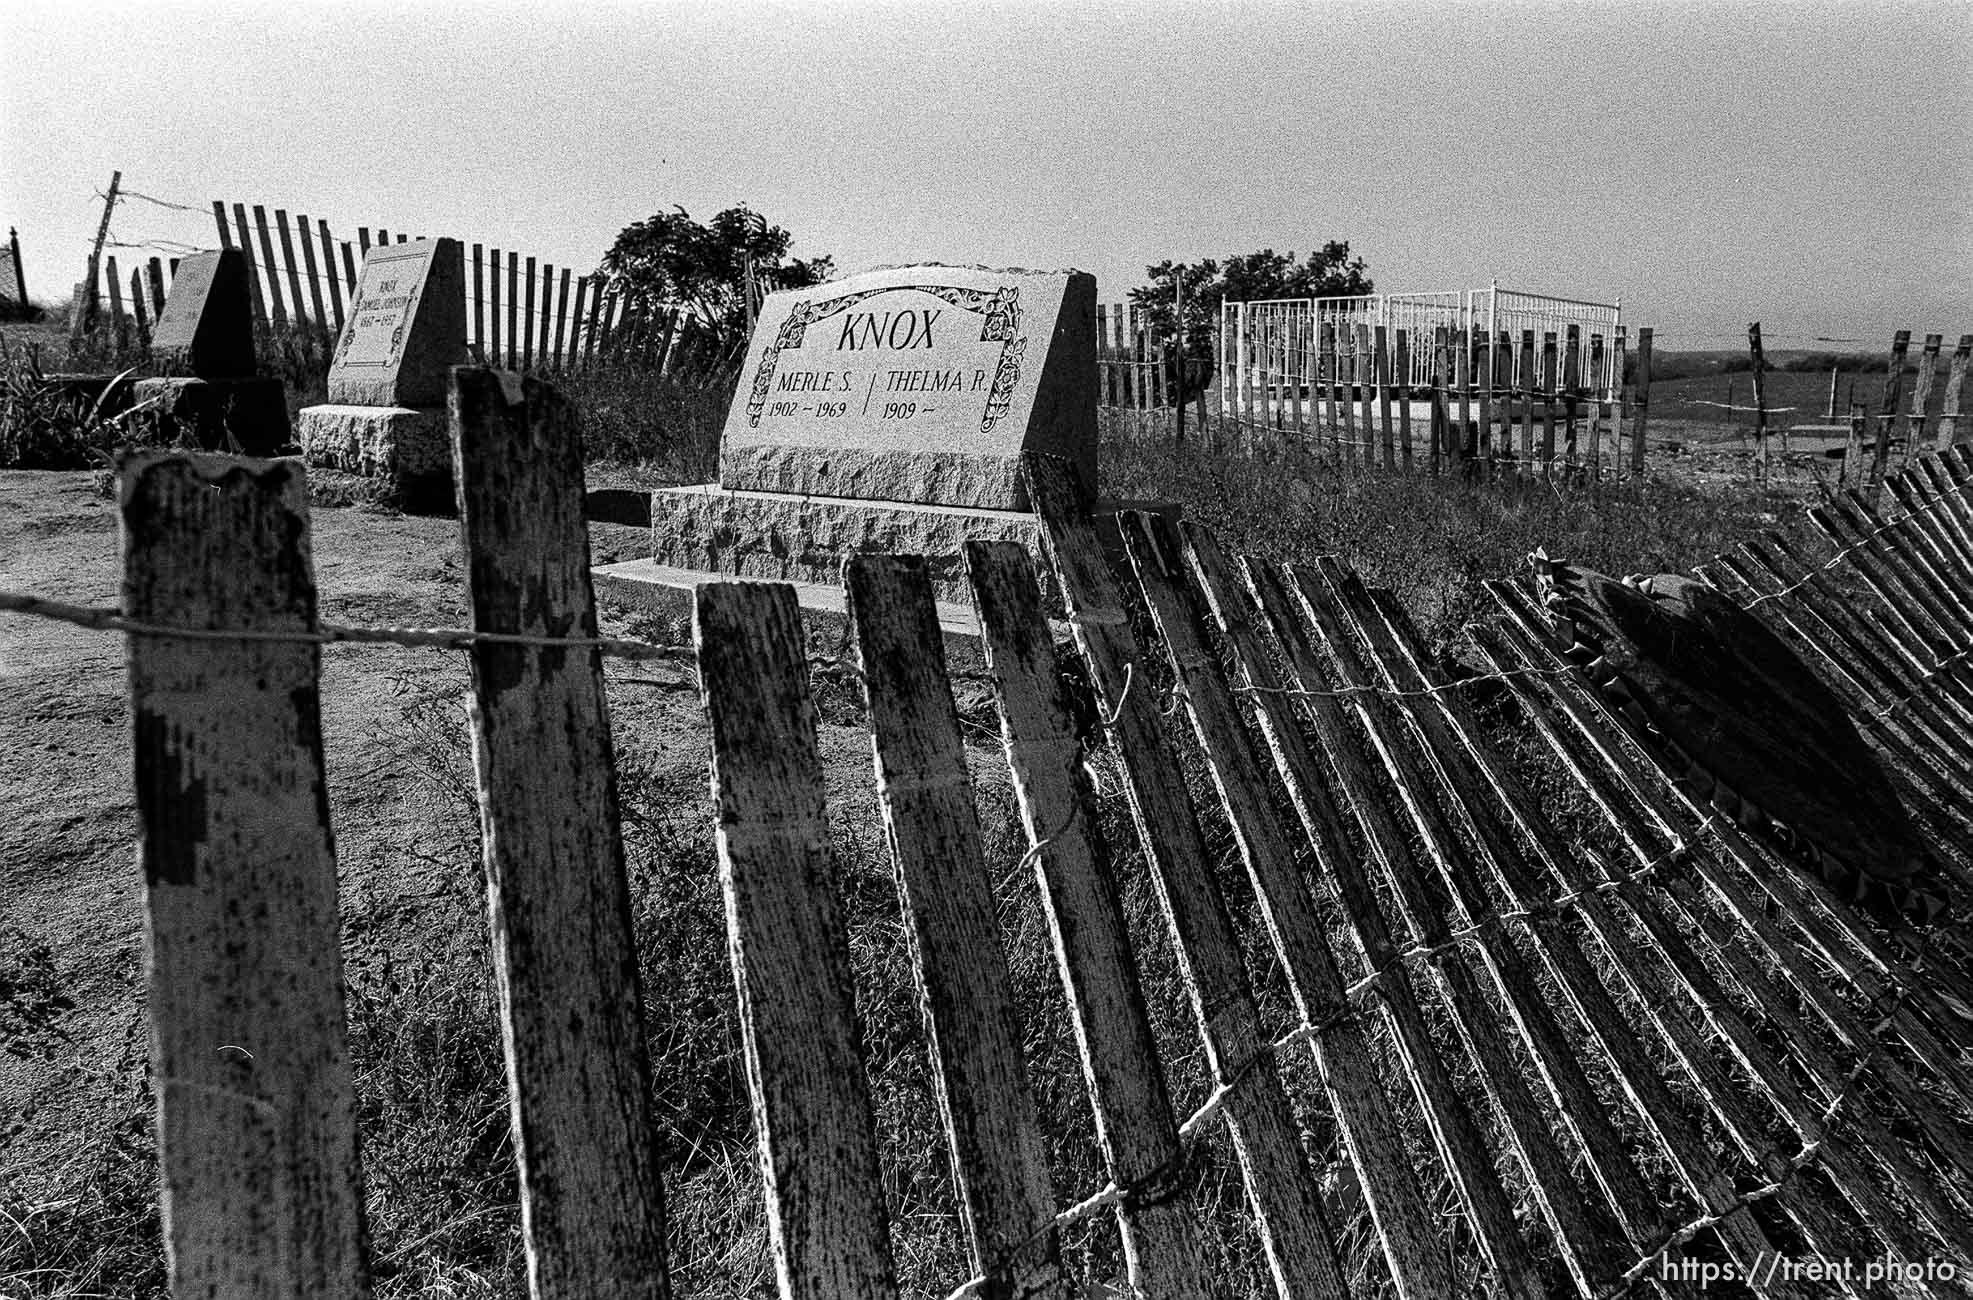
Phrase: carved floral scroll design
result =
(1000, 308)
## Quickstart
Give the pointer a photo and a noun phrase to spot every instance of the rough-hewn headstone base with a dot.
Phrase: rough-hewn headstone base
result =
(715, 530)
(246, 416)
(410, 445)
(805, 538)
(981, 482)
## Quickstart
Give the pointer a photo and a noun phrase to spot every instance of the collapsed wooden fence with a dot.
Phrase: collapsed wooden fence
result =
(1674, 1047)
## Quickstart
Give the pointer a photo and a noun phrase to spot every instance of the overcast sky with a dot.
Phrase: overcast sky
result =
(1810, 166)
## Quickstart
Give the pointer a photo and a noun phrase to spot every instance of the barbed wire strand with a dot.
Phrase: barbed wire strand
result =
(1944, 499)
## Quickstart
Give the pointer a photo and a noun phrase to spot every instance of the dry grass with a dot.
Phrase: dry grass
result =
(439, 1163)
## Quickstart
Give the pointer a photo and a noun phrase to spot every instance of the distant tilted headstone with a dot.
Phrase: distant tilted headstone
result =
(207, 322)
(916, 384)
(406, 327)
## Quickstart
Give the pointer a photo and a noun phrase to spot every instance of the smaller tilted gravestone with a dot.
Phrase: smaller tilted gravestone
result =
(206, 329)
(387, 383)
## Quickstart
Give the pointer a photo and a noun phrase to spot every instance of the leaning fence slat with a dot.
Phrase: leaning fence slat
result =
(1341, 1047)
(1453, 896)
(111, 276)
(322, 325)
(154, 280)
(246, 250)
(558, 357)
(1447, 1113)
(1933, 485)
(992, 1128)
(528, 358)
(1126, 1082)
(1934, 551)
(514, 353)
(478, 291)
(1548, 404)
(138, 311)
(330, 274)
(571, 1011)
(1381, 351)
(494, 355)
(1662, 799)
(1955, 389)
(1449, 738)
(1914, 736)
(1605, 775)
(1887, 410)
(1921, 395)
(270, 268)
(1401, 360)
(1286, 1202)
(288, 260)
(578, 334)
(260, 1186)
(813, 1117)
(1581, 1227)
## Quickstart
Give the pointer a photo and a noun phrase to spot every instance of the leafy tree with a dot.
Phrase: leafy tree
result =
(670, 260)
(1247, 277)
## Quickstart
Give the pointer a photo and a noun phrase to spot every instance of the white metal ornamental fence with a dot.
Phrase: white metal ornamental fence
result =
(1291, 343)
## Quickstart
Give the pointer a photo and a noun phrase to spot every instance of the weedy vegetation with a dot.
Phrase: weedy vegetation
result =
(438, 1157)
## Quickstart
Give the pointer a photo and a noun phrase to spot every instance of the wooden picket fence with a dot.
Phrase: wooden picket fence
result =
(520, 314)
(1483, 407)
(1563, 1059)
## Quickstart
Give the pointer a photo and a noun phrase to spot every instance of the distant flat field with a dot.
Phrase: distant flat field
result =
(1791, 398)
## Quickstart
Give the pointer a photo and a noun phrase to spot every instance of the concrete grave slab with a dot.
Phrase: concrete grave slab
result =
(206, 326)
(916, 384)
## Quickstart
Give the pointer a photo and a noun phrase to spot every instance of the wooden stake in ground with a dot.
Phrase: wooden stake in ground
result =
(571, 1011)
(1955, 386)
(1921, 395)
(1760, 396)
(1640, 400)
(1887, 412)
(259, 1180)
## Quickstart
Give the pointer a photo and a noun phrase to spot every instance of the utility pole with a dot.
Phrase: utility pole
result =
(20, 276)
(91, 299)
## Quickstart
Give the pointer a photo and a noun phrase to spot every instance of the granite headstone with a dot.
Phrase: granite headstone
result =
(916, 384)
(207, 322)
(206, 327)
(406, 327)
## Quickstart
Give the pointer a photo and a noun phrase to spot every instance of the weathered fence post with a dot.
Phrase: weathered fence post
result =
(1887, 411)
(1401, 359)
(1759, 361)
(1126, 1083)
(565, 963)
(1921, 395)
(1640, 400)
(260, 1184)
(1955, 386)
(1286, 1207)
(999, 1155)
(827, 1224)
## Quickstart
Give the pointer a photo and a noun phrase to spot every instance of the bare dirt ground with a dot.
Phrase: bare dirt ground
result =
(393, 721)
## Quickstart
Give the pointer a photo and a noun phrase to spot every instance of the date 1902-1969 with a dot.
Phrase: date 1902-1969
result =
(832, 410)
